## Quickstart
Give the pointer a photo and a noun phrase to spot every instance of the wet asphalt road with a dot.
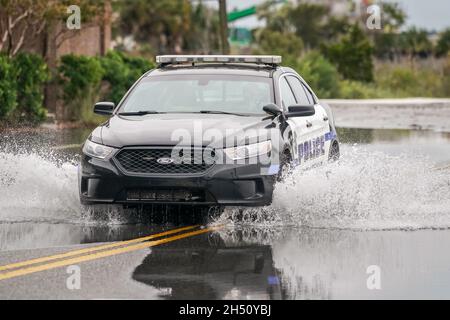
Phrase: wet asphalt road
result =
(231, 261)
(250, 264)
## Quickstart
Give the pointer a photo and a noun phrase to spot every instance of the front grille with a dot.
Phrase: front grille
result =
(142, 161)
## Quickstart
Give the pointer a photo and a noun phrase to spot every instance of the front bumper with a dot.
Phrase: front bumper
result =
(102, 182)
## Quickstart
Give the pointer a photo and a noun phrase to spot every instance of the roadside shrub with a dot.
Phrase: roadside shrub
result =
(403, 81)
(429, 84)
(352, 56)
(446, 79)
(116, 74)
(361, 90)
(354, 90)
(121, 71)
(138, 66)
(32, 74)
(86, 80)
(80, 78)
(398, 79)
(320, 74)
(78, 73)
(8, 87)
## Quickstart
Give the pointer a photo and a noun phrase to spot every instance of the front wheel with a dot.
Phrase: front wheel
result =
(285, 166)
(334, 152)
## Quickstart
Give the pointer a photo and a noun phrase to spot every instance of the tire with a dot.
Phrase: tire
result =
(335, 153)
(285, 166)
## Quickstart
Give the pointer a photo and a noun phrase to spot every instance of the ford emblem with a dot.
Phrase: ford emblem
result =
(165, 161)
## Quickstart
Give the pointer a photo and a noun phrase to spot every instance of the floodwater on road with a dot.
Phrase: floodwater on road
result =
(385, 206)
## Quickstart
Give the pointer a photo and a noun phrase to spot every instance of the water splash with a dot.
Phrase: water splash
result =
(37, 188)
(42, 187)
(364, 190)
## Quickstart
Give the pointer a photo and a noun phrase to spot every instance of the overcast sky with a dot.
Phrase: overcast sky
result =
(428, 14)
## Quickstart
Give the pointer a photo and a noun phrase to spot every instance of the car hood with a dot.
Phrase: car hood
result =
(171, 129)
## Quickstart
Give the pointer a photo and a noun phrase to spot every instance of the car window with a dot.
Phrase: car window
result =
(194, 93)
(287, 97)
(299, 92)
(309, 95)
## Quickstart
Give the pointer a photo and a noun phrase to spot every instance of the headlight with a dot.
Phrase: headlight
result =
(249, 151)
(97, 150)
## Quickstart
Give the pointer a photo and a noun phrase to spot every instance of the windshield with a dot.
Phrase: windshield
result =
(200, 93)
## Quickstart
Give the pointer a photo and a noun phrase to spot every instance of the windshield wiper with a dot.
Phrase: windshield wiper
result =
(138, 113)
(223, 112)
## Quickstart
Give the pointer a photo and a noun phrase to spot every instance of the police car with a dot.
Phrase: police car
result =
(206, 130)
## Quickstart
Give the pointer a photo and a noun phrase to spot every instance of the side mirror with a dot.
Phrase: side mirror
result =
(272, 109)
(104, 108)
(300, 111)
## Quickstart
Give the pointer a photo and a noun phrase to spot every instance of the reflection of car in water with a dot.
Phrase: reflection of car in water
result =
(205, 268)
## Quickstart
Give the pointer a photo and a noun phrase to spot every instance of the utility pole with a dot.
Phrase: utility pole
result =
(224, 26)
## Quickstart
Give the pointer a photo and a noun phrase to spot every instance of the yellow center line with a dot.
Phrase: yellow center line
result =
(93, 249)
(103, 254)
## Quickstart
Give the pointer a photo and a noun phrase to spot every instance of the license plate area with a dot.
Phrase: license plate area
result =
(165, 195)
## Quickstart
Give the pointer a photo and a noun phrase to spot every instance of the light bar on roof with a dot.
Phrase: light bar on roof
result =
(179, 59)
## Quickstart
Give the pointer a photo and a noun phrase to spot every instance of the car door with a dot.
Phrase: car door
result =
(301, 127)
(309, 131)
(322, 120)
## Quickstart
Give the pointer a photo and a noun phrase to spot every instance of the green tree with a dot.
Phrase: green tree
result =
(309, 21)
(8, 87)
(352, 55)
(163, 24)
(276, 18)
(203, 36)
(285, 44)
(23, 21)
(443, 45)
(415, 42)
(334, 28)
(387, 43)
(393, 17)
